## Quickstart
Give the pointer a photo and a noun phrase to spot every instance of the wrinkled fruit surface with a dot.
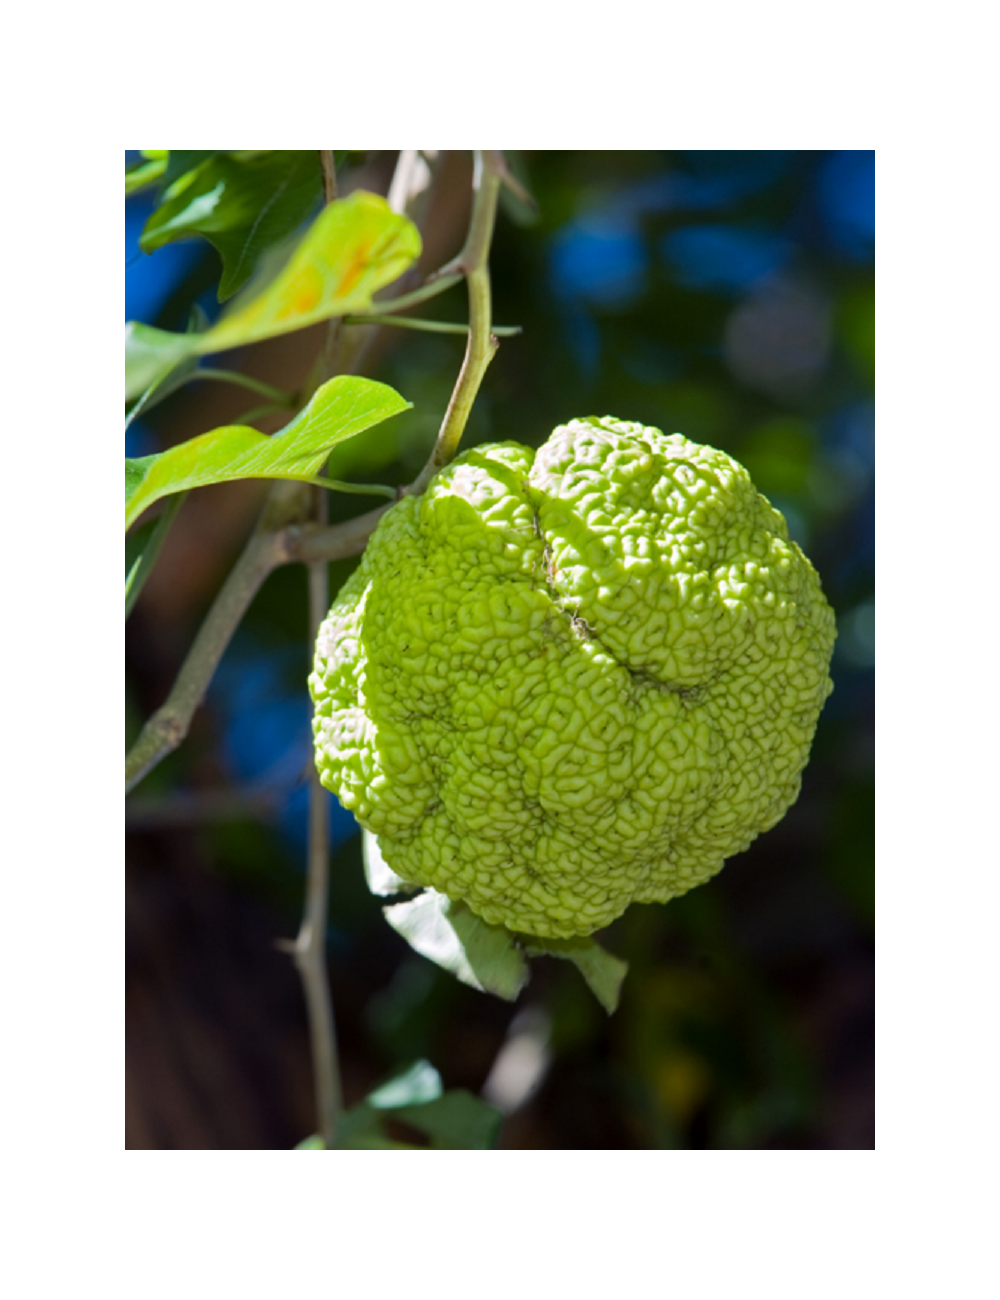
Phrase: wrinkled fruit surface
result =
(566, 680)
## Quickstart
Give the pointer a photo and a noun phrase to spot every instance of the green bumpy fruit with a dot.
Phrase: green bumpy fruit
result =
(564, 681)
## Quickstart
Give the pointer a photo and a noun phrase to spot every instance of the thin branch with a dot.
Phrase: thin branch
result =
(429, 289)
(329, 170)
(280, 540)
(431, 326)
(310, 945)
(279, 396)
(482, 344)
(266, 550)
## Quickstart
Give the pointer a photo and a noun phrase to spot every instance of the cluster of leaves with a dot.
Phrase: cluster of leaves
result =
(355, 247)
(412, 1111)
(248, 205)
(487, 957)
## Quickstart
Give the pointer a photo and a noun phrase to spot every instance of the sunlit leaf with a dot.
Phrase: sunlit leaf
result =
(151, 354)
(355, 247)
(313, 1143)
(417, 1084)
(603, 972)
(340, 409)
(382, 880)
(484, 956)
(242, 206)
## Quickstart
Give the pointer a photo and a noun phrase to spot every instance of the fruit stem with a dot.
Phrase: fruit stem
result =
(473, 262)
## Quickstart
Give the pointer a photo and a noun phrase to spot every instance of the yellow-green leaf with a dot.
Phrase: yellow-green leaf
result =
(342, 408)
(355, 247)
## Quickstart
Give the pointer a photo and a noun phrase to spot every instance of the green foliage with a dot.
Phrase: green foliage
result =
(749, 1031)
(342, 408)
(414, 1098)
(242, 206)
(481, 955)
(355, 247)
(486, 957)
(146, 172)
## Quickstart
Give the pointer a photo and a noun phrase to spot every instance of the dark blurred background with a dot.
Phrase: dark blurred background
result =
(725, 295)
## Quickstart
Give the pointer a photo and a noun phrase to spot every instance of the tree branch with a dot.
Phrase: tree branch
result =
(281, 538)
(169, 724)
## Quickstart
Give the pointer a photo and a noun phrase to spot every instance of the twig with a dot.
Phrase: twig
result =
(169, 724)
(431, 326)
(278, 396)
(329, 171)
(310, 945)
(482, 345)
(328, 359)
(431, 287)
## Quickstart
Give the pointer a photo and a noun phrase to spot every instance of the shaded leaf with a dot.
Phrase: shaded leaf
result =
(180, 161)
(340, 409)
(484, 956)
(135, 544)
(355, 247)
(242, 206)
(145, 555)
(458, 1121)
(454, 1120)
(603, 972)
(147, 171)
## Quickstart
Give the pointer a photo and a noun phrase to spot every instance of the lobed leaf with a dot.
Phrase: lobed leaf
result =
(340, 409)
(242, 206)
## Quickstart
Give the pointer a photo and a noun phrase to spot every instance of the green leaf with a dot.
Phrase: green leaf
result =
(417, 1084)
(458, 1121)
(144, 173)
(603, 972)
(180, 161)
(242, 206)
(453, 1120)
(355, 247)
(484, 956)
(145, 555)
(151, 354)
(135, 544)
(313, 1143)
(340, 409)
